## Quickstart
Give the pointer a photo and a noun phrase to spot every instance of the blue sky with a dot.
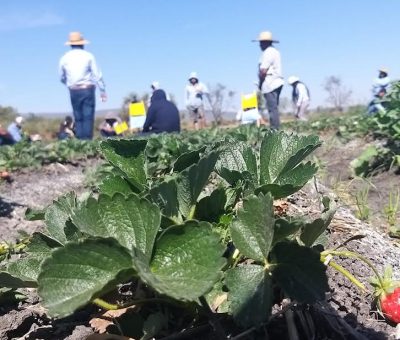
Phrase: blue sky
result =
(136, 42)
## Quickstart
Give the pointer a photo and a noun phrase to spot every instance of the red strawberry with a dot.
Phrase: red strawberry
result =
(390, 305)
(387, 293)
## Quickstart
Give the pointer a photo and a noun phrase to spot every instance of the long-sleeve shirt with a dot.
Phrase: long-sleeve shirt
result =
(15, 132)
(270, 60)
(380, 84)
(194, 94)
(78, 68)
(300, 94)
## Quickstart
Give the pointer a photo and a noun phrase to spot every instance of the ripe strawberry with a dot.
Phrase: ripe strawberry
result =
(387, 293)
(390, 305)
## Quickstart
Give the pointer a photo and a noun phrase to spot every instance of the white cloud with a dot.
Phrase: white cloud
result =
(25, 20)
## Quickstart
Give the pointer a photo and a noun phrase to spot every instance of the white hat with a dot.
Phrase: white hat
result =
(292, 79)
(155, 85)
(193, 75)
(19, 120)
(265, 36)
(384, 70)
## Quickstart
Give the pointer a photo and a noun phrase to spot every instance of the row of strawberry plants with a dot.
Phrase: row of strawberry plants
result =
(34, 155)
(165, 231)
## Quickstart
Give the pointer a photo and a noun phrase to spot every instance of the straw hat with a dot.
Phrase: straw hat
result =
(292, 79)
(193, 75)
(266, 36)
(76, 38)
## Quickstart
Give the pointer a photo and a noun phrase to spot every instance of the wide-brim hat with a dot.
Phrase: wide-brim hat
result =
(384, 70)
(266, 36)
(292, 79)
(76, 38)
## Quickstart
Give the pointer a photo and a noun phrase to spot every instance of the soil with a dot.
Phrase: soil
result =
(36, 189)
(346, 314)
(336, 173)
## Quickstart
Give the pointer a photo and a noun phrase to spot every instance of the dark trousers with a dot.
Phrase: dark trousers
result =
(272, 100)
(83, 104)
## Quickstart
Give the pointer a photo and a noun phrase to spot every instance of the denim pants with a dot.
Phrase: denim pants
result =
(83, 104)
(272, 99)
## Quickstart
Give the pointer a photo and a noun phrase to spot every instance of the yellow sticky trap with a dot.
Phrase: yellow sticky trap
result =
(137, 109)
(121, 128)
(249, 101)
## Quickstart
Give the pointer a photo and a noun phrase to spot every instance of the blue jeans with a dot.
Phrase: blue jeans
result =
(83, 104)
(272, 99)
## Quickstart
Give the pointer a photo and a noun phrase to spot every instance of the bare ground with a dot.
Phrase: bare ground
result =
(36, 189)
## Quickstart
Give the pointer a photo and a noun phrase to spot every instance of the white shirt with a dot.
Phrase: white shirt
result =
(379, 84)
(271, 61)
(194, 94)
(303, 96)
(78, 67)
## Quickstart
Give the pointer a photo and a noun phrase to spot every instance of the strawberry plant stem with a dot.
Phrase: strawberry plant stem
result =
(347, 274)
(350, 254)
(109, 306)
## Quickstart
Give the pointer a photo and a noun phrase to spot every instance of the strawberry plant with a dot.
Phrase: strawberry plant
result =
(169, 231)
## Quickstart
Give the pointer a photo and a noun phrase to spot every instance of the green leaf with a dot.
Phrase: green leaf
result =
(211, 208)
(284, 228)
(313, 230)
(192, 181)
(80, 272)
(27, 268)
(129, 157)
(250, 294)
(34, 214)
(187, 262)
(131, 220)
(237, 157)
(164, 195)
(253, 230)
(153, 325)
(9, 281)
(187, 159)
(113, 185)
(58, 214)
(281, 153)
(299, 271)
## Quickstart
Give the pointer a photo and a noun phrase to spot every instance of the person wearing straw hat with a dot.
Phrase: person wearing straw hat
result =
(194, 95)
(270, 75)
(300, 97)
(79, 72)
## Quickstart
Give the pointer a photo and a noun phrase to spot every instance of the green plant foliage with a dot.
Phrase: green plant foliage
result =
(299, 271)
(131, 220)
(253, 230)
(250, 294)
(77, 273)
(187, 262)
(182, 216)
(129, 157)
(281, 168)
(192, 181)
(57, 215)
(28, 267)
(114, 184)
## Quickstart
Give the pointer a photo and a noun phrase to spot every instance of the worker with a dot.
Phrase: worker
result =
(195, 92)
(300, 97)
